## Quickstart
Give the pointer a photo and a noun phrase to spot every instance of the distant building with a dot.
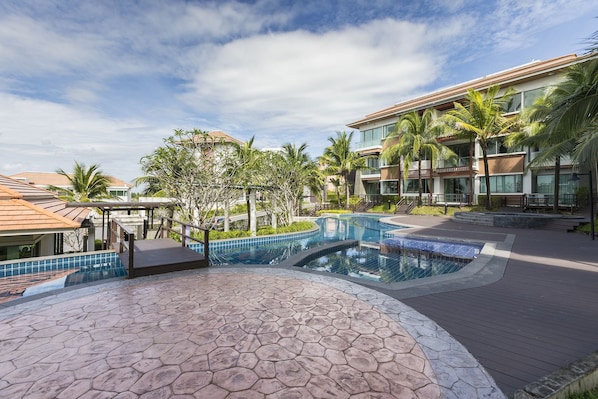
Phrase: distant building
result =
(117, 188)
(33, 221)
(456, 181)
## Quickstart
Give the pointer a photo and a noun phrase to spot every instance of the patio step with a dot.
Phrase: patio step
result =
(481, 219)
(567, 224)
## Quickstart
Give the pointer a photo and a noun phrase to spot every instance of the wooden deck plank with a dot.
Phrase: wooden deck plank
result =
(162, 256)
(543, 313)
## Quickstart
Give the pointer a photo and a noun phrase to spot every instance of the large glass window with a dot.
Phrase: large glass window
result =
(389, 187)
(503, 184)
(462, 151)
(530, 96)
(388, 129)
(459, 185)
(512, 103)
(373, 165)
(498, 146)
(410, 186)
(545, 184)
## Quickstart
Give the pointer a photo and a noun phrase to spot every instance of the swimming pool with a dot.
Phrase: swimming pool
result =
(381, 255)
(364, 228)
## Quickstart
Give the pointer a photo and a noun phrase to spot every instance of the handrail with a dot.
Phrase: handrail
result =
(122, 239)
(185, 233)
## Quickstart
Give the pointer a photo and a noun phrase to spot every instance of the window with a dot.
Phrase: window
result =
(458, 185)
(512, 103)
(503, 184)
(373, 165)
(462, 151)
(498, 146)
(389, 187)
(410, 186)
(530, 96)
(388, 129)
(545, 184)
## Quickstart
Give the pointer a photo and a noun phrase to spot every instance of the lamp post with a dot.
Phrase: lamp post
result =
(575, 177)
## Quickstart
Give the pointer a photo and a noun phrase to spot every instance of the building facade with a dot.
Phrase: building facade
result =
(462, 179)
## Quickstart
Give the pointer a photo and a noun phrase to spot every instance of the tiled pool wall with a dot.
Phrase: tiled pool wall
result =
(76, 261)
(244, 242)
(58, 262)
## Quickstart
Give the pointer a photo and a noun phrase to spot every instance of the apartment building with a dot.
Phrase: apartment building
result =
(462, 180)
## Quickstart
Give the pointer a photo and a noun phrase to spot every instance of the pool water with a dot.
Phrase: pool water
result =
(386, 263)
(345, 227)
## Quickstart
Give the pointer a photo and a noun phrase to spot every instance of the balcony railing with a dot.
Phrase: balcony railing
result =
(368, 143)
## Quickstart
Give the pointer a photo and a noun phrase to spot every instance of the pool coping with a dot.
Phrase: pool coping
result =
(487, 268)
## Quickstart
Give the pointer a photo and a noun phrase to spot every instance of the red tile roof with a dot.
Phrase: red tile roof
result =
(25, 209)
(55, 179)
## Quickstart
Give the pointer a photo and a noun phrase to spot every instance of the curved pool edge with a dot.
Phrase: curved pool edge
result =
(454, 371)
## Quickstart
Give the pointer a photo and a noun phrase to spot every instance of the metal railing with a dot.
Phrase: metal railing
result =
(122, 239)
(184, 232)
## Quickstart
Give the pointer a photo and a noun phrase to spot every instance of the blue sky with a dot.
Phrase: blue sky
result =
(105, 81)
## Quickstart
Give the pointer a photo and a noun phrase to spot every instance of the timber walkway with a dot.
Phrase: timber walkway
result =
(540, 316)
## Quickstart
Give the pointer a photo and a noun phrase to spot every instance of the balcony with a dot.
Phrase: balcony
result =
(461, 166)
(370, 144)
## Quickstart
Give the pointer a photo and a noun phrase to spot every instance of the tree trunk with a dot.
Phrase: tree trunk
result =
(557, 189)
(252, 214)
(471, 142)
(248, 203)
(487, 178)
(347, 191)
(226, 215)
(419, 181)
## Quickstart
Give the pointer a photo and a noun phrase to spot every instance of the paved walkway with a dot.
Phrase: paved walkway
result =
(231, 333)
(270, 332)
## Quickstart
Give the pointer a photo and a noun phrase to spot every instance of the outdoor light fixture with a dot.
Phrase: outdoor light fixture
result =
(575, 177)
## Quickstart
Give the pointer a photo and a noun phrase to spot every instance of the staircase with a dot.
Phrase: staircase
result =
(404, 205)
(566, 223)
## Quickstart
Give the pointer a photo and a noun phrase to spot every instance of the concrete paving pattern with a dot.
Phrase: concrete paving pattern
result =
(231, 333)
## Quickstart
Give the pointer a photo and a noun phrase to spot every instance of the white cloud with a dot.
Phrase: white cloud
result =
(310, 82)
(46, 136)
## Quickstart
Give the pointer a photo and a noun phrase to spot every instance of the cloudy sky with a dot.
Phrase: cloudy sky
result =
(105, 81)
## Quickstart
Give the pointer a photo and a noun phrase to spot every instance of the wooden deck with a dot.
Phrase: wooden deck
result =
(541, 316)
(162, 255)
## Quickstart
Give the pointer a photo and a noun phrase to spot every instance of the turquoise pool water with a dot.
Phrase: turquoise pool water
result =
(381, 256)
(330, 229)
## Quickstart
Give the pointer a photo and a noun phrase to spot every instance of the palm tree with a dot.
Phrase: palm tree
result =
(87, 184)
(341, 161)
(481, 117)
(417, 135)
(554, 144)
(575, 110)
(248, 158)
(307, 174)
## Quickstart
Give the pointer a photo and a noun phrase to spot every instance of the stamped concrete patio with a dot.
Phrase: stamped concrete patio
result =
(231, 333)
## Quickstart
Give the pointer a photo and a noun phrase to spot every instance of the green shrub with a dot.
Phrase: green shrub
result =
(262, 231)
(333, 211)
(593, 394)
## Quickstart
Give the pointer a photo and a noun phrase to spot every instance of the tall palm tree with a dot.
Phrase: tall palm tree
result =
(341, 161)
(417, 139)
(575, 110)
(87, 184)
(481, 117)
(306, 172)
(554, 144)
(248, 158)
